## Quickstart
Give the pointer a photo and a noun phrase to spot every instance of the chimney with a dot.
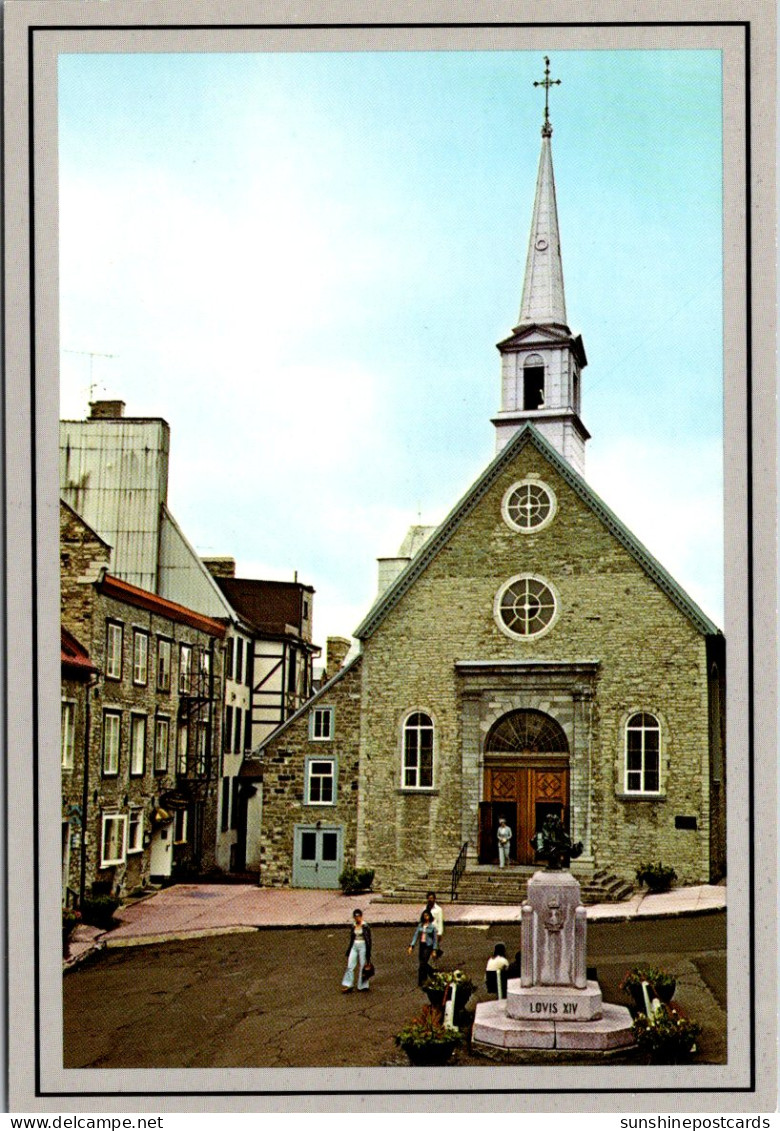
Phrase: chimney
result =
(106, 410)
(220, 567)
(388, 570)
(336, 648)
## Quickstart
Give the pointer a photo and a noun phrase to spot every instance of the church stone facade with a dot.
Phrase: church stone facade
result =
(531, 658)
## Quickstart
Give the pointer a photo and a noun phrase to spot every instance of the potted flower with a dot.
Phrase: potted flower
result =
(667, 1037)
(355, 880)
(658, 877)
(664, 985)
(426, 1041)
(660, 984)
(437, 985)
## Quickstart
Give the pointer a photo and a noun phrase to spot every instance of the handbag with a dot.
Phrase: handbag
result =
(368, 970)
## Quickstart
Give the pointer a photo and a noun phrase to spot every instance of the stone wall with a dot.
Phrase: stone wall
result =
(650, 658)
(284, 762)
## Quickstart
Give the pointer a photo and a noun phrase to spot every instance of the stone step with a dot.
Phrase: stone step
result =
(502, 886)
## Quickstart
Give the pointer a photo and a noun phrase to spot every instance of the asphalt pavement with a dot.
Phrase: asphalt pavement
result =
(187, 911)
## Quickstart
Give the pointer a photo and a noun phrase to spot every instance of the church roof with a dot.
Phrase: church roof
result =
(530, 435)
(543, 299)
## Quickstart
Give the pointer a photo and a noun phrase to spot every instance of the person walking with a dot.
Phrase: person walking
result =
(425, 933)
(358, 953)
(438, 920)
(503, 836)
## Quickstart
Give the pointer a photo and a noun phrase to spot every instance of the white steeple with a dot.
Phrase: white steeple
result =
(542, 361)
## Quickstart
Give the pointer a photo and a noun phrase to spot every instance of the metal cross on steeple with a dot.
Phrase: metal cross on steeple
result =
(547, 82)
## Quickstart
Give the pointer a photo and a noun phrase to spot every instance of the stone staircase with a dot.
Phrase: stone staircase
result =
(490, 884)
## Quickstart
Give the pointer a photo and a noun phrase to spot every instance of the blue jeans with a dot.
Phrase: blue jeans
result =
(357, 957)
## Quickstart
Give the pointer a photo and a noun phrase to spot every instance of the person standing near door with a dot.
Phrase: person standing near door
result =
(503, 836)
(358, 953)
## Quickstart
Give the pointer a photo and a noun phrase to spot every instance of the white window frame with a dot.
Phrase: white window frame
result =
(162, 725)
(182, 738)
(163, 663)
(140, 657)
(313, 760)
(202, 749)
(408, 770)
(111, 770)
(316, 733)
(115, 634)
(642, 771)
(185, 667)
(530, 483)
(180, 826)
(68, 733)
(526, 580)
(135, 831)
(121, 820)
(137, 749)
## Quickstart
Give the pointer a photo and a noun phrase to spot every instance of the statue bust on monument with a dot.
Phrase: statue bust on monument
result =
(554, 843)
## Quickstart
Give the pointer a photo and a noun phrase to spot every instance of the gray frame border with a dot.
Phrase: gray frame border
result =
(31, 346)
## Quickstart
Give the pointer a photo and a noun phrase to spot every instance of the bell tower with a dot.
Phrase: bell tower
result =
(542, 362)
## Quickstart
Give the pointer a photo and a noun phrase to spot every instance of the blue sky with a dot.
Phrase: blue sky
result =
(304, 261)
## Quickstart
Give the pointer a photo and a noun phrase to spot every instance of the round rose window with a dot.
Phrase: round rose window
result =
(528, 506)
(525, 606)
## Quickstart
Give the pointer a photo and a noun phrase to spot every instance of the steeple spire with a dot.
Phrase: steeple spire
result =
(543, 300)
(542, 360)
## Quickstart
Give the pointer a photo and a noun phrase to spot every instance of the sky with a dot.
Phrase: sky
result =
(303, 262)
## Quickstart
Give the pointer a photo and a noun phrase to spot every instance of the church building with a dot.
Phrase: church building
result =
(529, 658)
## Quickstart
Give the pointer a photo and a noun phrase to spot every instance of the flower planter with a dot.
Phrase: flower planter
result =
(436, 1053)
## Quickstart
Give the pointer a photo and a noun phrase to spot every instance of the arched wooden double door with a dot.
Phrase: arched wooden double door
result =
(526, 777)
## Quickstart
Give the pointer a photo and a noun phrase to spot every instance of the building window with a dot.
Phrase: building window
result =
(181, 750)
(229, 658)
(234, 803)
(227, 733)
(643, 754)
(162, 730)
(112, 722)
(533, 383)
(113, 839)
(238, 733)
(418, 751)
(140, 657)
(292, 669)
(163, 664)
(205, 669)
(185, 668)
(135, 831)
(322, 724)
(320, 781)
(248, 729)
(137, 745)
(528, 506)
(68, 734)
(114, 637)
(180, 826)
(525, 607)
(225, 822)
(202, 749)
(239, 672)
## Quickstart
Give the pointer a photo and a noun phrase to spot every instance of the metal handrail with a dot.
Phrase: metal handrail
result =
(459, 869)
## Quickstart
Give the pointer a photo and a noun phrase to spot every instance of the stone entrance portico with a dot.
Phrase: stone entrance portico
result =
(566, 692)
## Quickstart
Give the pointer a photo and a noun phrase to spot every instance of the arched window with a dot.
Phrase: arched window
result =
(533, 382)
(418, 751)
(643, 754)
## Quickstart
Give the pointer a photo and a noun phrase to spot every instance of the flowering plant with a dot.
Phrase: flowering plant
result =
(427, 1029)
(668, 1037)
(442, 979)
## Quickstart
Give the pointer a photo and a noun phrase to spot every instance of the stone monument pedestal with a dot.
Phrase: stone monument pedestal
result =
(552, 1005)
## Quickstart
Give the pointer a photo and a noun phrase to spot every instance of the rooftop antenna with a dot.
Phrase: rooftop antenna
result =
(91, 354)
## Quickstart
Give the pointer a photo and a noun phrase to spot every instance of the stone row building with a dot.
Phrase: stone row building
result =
(528, 657)
(254, 671)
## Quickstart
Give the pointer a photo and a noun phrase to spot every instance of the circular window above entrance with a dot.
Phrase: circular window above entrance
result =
(528, 506)
(525, 607)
